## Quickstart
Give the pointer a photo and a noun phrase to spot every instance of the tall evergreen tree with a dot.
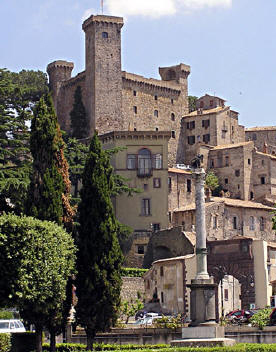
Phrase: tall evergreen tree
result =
(49, 191)
(99, 256)
(79, 123)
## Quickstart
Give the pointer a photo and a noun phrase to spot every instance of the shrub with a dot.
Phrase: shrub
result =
(5, 314)
(261, 319)
(133, 272)
(5, 342)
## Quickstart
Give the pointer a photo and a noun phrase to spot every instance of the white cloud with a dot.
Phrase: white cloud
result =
(159, 8)
(148, 8)
(88, 13)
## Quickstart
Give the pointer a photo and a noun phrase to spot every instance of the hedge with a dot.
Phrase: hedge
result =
(163, 348)
(133, 272)
(5, 342)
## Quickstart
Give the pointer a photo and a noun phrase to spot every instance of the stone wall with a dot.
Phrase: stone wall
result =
(264, 138)
(130, 287)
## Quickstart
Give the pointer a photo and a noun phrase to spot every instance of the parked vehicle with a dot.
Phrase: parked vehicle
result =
(148, 319)
(240, 316)
(11, 325)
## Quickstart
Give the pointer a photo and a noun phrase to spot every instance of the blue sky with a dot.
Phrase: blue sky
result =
(230, 44)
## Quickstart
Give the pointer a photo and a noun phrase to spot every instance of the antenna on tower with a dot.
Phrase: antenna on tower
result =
(102, 5)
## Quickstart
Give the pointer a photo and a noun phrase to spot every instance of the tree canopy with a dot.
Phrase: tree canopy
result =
(79, 122)
(18, 94)
(36, 259)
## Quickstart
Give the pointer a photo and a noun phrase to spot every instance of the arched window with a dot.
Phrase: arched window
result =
(144, 162)
(172, 116)
(104, 35)
(251, 223)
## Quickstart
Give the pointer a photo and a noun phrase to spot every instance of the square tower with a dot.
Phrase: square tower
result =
(103, 79)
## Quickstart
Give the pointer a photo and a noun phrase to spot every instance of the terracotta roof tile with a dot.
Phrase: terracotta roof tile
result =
(234, 145)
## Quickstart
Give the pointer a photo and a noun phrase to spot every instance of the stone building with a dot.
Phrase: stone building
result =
(143, 161)
(227, 218)
(116, 100)
(264, 138)
(213, 127)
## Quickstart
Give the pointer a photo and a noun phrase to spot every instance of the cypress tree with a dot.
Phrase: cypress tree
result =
(49, 191)
(99, 256)
(79, 126)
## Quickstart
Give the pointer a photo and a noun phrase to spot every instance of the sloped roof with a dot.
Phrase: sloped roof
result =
(179, 171)
(233, 145)
(263, 128)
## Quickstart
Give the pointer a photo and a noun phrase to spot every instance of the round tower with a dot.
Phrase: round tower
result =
(58, 71)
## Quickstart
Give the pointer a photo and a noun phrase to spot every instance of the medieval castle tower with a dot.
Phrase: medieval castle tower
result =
(116, 100)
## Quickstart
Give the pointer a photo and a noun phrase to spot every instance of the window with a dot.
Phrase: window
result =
(155, 97)
(189, 185)
(144, 162)
(227, 161)
(156, 182)
(226, 294)
(170, 216)
(251, 195)
(162, 297)
(238, 186)
(135, 109)
(198, 138)
(251, 223)
(191, 140)
(156, 113)
(141, 249)
(244, 248)
(146, 186)
(172, 116)
(104, 35)
(134, 93)
(206, 138)
(249, 161)
(226, 181)
(263, 162)
(145, 210)
(161, 271)
(237, 173)
(131, 161)
(173, 134)
(170, 183)
(157, 161)
(172, 101)
(205, 123)
(235, 223)
(155, 227)
(262, 223)
(156, 129)
(212, 164)
(190, 125)
(215, 222)
(263, 180)
(183, 224)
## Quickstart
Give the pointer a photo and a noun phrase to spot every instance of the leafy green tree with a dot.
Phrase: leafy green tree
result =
(261, 318)
(36, 259)
(99, 257)
(212, 182)
(129, 308)
(79, 124)
(18, 94)
(192, 102)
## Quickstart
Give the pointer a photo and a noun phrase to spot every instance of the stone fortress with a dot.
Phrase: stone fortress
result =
(152, 119)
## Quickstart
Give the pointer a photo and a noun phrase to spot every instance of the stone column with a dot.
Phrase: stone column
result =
(201, 250)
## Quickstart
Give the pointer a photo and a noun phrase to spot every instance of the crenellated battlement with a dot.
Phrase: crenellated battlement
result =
(102, 20)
